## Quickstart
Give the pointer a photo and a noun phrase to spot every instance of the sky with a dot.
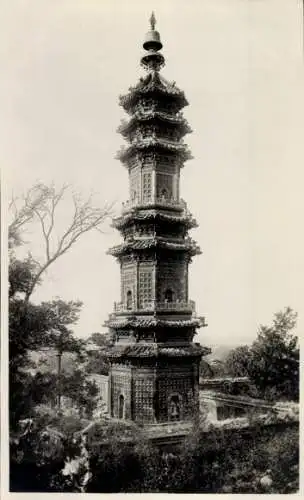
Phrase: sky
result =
(240, 62)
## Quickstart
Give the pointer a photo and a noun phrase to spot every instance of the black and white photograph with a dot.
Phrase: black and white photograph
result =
(152, 246)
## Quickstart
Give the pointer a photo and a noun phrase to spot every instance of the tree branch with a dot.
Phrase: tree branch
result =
(41, 203)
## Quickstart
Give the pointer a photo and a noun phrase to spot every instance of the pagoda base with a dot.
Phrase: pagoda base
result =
(155, 390)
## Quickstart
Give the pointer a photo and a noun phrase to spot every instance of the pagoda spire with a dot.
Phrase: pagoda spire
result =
(152, 21)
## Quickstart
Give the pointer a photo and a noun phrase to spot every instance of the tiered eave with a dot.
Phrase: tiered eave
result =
(141, 116)
(155, 216)
(188, 245)
(153, 85)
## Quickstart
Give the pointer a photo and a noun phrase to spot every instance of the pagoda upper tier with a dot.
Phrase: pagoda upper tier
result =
(165, 95)
(144, 117)
(157, 125)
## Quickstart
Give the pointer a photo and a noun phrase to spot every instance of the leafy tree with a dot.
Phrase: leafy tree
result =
(274, 363)
(29, 325)
(21, 274)
(32, 327)
(205, 369)
(97, 358)
(100, 339)
(218, 368)
(238, 360)
(44, 388)
(82, 392)
(61, 337)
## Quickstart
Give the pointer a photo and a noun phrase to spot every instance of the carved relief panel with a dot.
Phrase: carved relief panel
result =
(120, 384)
(172, 280)
(176, 397)
(143, 390)
(146, 285)
(134, 179)
(164, 186)
(146, 187)
(128, 284)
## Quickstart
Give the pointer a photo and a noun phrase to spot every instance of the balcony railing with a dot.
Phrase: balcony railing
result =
(164, 202)
(154, 305)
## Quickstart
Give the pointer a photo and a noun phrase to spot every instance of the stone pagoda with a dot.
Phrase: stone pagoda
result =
(154, 364)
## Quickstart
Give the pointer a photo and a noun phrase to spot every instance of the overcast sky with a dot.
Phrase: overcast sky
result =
(240, 63)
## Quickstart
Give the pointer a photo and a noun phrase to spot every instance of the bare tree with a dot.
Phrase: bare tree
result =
(22, 210)
(40, 204)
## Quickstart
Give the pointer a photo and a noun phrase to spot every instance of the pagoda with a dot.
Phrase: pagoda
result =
(154, 364)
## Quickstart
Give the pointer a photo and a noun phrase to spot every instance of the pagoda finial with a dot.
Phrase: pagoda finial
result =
(152, 21)
(152, 44)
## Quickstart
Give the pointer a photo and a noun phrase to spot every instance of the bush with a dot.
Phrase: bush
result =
(110, 457)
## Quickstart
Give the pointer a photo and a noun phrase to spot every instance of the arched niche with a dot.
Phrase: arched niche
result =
(129, 299)
(121, 406)
(175, 408)
(169, 295)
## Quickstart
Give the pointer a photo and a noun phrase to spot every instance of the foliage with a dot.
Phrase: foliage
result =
(63, 314)
(82, 392)
(111, 457)
(205, 369)
(272, 361)
(20, 397)
(33, 327)
(213, 462)
(271, 453)
(21, 273)
(238, 360)
(218, 368)
(36, 457)
(274, 365)
(44, 388)
(98, 363)
(97, 358)
(100, 339)
(29, 325)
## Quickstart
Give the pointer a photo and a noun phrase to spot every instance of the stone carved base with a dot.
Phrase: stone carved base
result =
(160, 392)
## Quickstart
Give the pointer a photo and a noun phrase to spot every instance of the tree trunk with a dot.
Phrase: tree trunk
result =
(59, 356)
